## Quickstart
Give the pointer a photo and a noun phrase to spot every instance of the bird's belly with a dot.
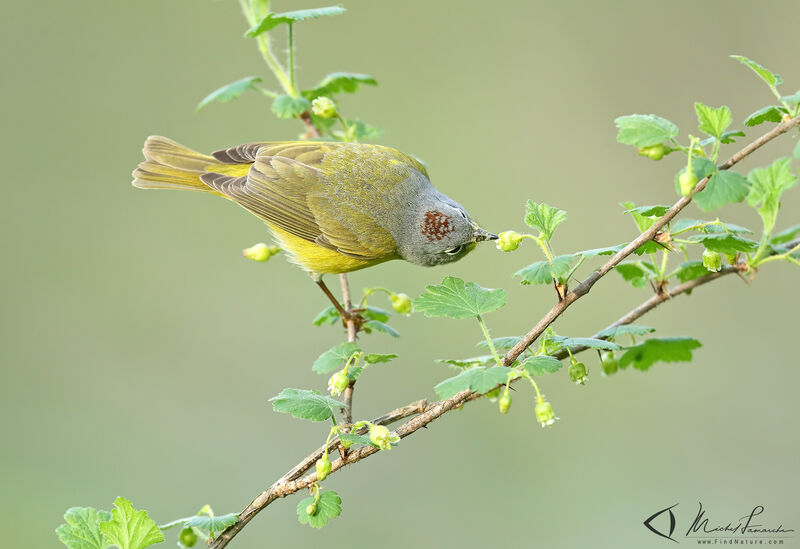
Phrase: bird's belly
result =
(318, 259)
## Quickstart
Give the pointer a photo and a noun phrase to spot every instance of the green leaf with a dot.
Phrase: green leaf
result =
(376, 313)
(286, 106)
(724, 187)
(82, 528)
(712, 121)
(329, 506)
(796, 152)
(467, 362)
(625, 329)
(608, 250)
(481, 380)
(544, 217)
(690, 270)
(767, 185)
(589, 342)
(455, 298)
(793, 99)
(541, 364)
(649, 211)
(129, 528)
(702, 167)
(328, 315)
(786, 235)
(685, 223)
(229, 92)
(765, 74)
(644, 130)
(728, 137)
(770, 113)
(633, 273)
(334, 358)
(213, 524)
(667, 349)
(374, 358)
(379, 326)
(272, 20)
(506, 342)
(305, 404)
(337, 82)
(542, 272)
(359, 131)
(725, 243)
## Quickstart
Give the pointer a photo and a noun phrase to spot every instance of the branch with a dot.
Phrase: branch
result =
(291, 483)
(352, 331)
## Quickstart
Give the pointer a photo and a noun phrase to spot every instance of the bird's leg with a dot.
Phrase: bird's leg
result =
(338, 306)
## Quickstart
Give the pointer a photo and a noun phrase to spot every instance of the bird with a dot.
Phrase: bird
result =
(334, 207)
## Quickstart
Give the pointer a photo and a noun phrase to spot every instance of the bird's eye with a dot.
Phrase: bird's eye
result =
(463, 213)
(454, 251)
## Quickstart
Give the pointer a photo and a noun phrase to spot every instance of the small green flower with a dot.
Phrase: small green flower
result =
(311, 509)
(401, 303)
(324, 107)
(712, 260)
(508, 241)
(338, 382)
(577, 372)
(323, 466)
(544, 412)
(382, 437)
(187, 537)
(505, 402)
(260, 252)
(687, 182)
(609, 363)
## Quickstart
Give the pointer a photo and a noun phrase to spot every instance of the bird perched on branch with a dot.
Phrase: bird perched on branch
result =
(334, 207)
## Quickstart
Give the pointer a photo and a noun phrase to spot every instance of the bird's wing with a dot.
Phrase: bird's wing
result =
(284, 188)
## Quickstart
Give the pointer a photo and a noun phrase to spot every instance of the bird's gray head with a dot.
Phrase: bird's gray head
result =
(440, 231)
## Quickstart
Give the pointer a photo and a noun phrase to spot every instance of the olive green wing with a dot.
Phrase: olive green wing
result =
(284, 188)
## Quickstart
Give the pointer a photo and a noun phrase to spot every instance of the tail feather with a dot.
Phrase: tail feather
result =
(170, 165)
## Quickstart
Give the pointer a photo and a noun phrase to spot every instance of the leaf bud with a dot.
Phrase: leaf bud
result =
(401, 303)
(324, 107)
(505, 402)
(508, 241)
(260, 252)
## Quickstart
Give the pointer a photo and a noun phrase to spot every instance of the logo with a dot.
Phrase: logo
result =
(750, 528)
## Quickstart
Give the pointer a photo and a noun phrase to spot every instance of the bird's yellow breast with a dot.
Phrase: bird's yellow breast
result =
(318, 259)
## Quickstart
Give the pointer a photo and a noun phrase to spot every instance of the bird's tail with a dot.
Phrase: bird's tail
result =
(170, 165)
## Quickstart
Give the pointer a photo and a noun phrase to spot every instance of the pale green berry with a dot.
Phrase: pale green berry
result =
(324, 107)
(323, 466)
(712, 260)
(338, 382)
(577, 372)
(544, 412)
(609, 363)
(260, 252)
(493, 394)
(401, 303)
(654, 152)
(312, 509)
(687, 182)
(505, 402)
(508, 241)
(382, 437)
(187, 537)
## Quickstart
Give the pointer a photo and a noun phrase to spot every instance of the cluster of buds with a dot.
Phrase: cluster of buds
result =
(401, 303)
(324, 107)
(382, 437)
(508, 241)
(260, 252)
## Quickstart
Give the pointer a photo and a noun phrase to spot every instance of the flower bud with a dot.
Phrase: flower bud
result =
(187, 537)
(712, 260)
(338, 383)
(324, 107)
(609, 363)
(323, 466)
(311, 509)
(260, 252)
(654, 152)
(687, 181)
(505, 402)
(544, 412)
(382, 437)
(577, 372)
(401, 303)
(508, 241)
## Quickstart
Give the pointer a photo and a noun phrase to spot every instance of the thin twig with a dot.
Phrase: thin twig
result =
(352, 331)
(286, 485)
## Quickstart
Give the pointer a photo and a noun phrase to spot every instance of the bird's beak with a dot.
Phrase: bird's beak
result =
(481, 234)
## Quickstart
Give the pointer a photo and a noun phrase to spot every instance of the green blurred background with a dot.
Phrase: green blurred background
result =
(139, 348)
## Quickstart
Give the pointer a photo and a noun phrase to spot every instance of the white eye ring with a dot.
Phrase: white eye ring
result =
(454, 251)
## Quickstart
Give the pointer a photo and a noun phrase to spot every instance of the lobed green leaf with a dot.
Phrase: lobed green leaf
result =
(130, 528)
(329, 315)
(506, 342)
(541, 364)
(633, 273)
(286, 106)
(544, 217)
(608, 250)
(725, 243)
(334, 358)
(374, 358)
(480, 379)
(625, 329)
(542, 272)
(455, 298)
(644, 130)
(765, 74)
(690, 270)
(272, 20)
(305, 404)
(213, 524)
(329, 507)
(82, 528)
(467, 362)
(770, 113)
(229, 92)
(648, 211)
(713, 121)
(786, 235)
(667, 349)
(379, 326)
(589, 342)
(724, 187)
(337, 82)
